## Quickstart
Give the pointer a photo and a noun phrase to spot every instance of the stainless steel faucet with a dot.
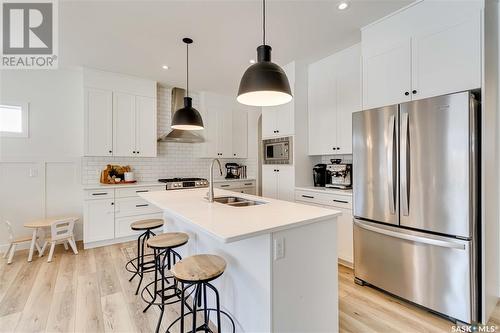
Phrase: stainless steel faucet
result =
(210, 194)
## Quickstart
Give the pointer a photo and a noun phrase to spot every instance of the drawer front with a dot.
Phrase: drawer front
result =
(134, 191)
(245, 190)
(122, 224)
(237, 184)
(306, 196)
(134, 206)
(99, 194)
(327, 199)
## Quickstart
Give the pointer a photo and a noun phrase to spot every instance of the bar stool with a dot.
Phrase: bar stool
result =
(163, 246)
(137, 265)
(197, 271)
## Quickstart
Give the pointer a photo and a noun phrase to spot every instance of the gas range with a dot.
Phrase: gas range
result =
(181, 183)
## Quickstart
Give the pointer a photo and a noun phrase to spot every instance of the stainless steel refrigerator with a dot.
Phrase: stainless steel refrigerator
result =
(416, 202)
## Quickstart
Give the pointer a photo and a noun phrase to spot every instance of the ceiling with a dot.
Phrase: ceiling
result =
(138, 37)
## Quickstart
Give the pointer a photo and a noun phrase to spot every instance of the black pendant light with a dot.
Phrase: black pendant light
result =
(264, 83)
(187, 118)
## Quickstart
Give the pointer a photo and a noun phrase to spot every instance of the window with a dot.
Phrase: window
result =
(14, 120)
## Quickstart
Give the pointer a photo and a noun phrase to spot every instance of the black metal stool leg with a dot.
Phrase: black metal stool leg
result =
(183, 293)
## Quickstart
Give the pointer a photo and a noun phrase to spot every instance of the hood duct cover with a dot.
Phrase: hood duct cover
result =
(179, 135)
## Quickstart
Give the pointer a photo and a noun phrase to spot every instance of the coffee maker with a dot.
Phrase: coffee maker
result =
(232, 171)
(320, 175)
(340, 174)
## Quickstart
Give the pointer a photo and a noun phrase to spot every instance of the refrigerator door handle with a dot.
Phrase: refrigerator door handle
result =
(404, 164)
(390, 164)
(413, 238)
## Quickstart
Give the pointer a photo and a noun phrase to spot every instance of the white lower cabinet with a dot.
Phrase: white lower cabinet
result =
(278, 182)
(242, 186)
(341, 202)
(108, 213)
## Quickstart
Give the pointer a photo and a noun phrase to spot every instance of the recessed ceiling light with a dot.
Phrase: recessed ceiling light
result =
(343, 5)
(252, 61)
(164, 67)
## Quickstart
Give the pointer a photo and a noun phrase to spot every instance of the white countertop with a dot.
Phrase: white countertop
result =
(223, 180)
(229, 224)
(325, 190)
(112, 186)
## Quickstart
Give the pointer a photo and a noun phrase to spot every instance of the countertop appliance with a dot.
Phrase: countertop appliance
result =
(278, 151)
(233, 170)
(319, 175)
(416, 202)
(339, 175)
(182, 183)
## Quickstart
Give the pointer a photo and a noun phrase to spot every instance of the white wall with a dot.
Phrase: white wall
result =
(40, 175)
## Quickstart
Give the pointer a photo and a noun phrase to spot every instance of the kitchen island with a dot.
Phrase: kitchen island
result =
(281, 257)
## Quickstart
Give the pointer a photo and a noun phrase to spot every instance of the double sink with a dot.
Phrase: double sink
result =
(237, 201)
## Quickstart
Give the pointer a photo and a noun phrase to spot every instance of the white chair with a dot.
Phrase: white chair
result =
(14, 241)
(61, 232)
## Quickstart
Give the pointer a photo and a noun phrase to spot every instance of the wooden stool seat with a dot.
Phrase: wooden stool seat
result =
(201, 267)
(168, 240)
(146, 224)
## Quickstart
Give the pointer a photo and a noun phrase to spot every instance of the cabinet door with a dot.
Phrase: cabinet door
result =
(145, 129)
(225, 132)
(209, 115)
(98, 122)
(285, 119)
(286, 183)
(344, 235)
(99, 221)
(348, 96)
(269, 115)
(386, 76)
(447, 59)
(269, 181)
(240, 133)
(124, 124)
(322, 107)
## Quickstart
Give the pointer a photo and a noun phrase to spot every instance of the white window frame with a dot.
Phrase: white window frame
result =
(25, 120)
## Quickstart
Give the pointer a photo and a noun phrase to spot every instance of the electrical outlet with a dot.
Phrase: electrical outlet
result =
(279, 248)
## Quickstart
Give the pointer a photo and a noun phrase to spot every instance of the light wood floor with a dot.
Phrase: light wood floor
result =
(90, 292)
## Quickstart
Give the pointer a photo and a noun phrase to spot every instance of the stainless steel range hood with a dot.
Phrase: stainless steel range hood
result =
(176, 135)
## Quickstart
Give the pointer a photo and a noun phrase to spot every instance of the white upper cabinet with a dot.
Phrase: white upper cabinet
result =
(225, 133)
(120, 115)
(334, 93)
(278, 121)
(98, 133)
(405, 59)
(386, 76)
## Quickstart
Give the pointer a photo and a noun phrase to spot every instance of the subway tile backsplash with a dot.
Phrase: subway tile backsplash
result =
(173, 160)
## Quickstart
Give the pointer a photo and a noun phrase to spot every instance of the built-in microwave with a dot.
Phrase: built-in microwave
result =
(277, 151)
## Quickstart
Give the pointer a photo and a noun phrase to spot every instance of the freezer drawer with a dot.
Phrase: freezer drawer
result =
(429, 270)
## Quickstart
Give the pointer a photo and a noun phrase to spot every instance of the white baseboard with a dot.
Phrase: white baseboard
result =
(92, 245)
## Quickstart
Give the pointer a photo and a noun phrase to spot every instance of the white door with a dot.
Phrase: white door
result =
(447, 59)
(98, 122)
(322, 107)
(269, 181)
(124, 124)
(269, 118)
(240, 133)
(99, 221)
(145, 129)
(387, 76)
(286, 182)
(348, 96)
(344, 235)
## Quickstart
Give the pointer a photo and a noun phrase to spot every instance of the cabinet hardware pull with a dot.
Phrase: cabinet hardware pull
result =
(140, 191)
(338, 148)
(414, 91)
(137, 152)
(112, 203)
(143, 205)
(224, 186)
(248, 184)
(407, 93)
(102, 193)
(307, 196)
(133, 152)
(110, 151)
(341, 201)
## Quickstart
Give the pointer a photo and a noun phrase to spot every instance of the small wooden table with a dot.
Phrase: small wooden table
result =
(40, 224)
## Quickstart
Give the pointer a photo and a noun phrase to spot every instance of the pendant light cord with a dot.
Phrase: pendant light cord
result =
(264, 22)
(187, 70)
